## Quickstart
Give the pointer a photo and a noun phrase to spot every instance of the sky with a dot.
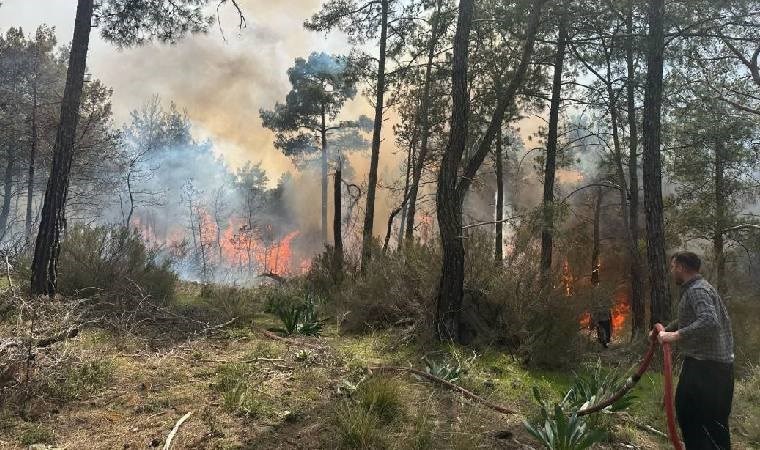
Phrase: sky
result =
(221, 83)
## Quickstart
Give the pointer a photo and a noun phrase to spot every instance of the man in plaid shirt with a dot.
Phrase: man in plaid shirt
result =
(703, 333)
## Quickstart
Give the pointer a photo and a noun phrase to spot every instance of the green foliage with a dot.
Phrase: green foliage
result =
(36, 433)
(300, 318)
(595, 386)
(115, 261)
(80, 380)
(450, 369)
(557, 431)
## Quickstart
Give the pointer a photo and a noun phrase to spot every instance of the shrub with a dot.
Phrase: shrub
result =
(223, 303)
(114, 260)
(397, 287)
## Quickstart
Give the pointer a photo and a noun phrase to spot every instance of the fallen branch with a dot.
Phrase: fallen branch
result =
(48, 341)
(40, 343)
(648, 428)
(275, 337)
(169, 438)
(448, 384)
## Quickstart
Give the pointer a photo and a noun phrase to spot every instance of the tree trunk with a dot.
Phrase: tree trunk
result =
(32, 157)
(369, 216)
(410, 162)
(652, 167)
(450, 195)
(53, 218)
(323, 136)
(424, 115)
(547, 230)
(595, 249)
(337, 223)
(637, 280)
(7, 192)
(131, 196)
(449, 208)
(720, 218)
(499, 217)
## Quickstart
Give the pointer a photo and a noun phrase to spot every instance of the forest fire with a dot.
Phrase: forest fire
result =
(237, 247)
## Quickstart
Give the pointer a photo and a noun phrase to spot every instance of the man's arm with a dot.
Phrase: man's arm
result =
(704, 308)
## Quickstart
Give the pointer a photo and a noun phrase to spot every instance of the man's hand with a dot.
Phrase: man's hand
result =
(666, 337)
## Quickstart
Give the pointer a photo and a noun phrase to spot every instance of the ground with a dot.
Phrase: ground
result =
(248, 390)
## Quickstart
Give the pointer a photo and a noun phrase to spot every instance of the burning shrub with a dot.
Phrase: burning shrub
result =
(115, 261)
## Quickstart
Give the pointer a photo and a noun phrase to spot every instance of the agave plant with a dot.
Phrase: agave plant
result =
(558, 431)
(591, 388)
(300, 318)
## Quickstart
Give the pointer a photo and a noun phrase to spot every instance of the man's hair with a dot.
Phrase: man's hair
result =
(689, 260)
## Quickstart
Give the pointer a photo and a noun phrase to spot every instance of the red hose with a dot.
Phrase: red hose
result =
(667, 368)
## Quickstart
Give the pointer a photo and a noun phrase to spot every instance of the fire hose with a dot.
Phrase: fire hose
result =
(667, 363)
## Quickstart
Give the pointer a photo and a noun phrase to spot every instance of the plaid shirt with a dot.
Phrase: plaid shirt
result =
(703, 323)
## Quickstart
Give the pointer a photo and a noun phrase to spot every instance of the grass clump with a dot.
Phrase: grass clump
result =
(381, 396)
(80, 380)
(358, 428)
(362, 421)
(236, 383)
(35, 433)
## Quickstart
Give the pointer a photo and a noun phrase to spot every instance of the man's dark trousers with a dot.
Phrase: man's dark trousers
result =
(703, 403)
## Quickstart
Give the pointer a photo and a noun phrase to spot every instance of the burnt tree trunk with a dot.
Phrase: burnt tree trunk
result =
(419, 162)
(338, 223)
(547, 230)
(652, 167)
(720, 217)
(323, 138)
(369, 216)
(53, 218)
(448, 206)
(499, 217)
(638, 319)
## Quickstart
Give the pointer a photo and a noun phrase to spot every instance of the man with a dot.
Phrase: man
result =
(703, 333)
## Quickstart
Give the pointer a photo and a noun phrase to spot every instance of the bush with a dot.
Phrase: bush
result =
(223, 303)
(397, 287)
(113, 260)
